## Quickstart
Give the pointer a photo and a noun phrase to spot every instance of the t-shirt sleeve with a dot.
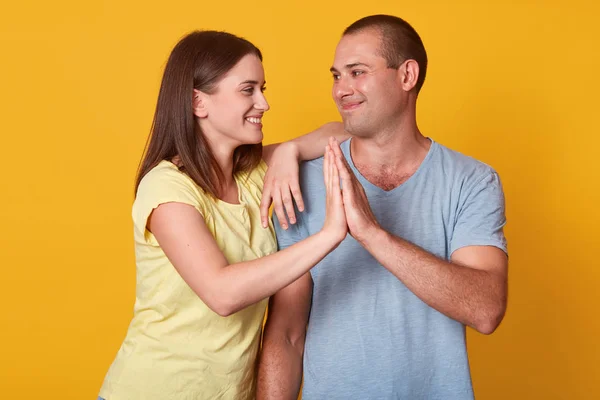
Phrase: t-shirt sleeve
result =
(159, 186)
(481, 216)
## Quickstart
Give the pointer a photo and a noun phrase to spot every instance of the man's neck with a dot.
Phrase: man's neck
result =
(391, 149)
(388, 159)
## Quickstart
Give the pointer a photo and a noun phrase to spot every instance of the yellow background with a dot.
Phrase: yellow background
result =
(512, 83)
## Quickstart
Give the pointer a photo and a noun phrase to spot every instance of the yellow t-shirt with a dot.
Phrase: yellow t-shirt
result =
(176, 347)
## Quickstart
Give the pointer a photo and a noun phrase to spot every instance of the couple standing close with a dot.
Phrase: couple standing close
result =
(373, 282)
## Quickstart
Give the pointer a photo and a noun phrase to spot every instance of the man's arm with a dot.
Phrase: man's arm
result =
(471, 288)
(280, 361)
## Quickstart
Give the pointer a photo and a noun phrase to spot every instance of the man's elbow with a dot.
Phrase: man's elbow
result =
(490, 319)
(290, 342)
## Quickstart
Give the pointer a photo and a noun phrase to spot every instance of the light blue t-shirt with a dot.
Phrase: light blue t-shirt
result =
(369, 337)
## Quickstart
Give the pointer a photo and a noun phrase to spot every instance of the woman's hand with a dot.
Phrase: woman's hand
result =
(282, 184)
(335, 225)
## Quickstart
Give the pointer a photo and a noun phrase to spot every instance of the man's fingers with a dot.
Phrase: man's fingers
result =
(347, 182)
(336, 182)
(342, 167)
(337, 150)
(335, 146)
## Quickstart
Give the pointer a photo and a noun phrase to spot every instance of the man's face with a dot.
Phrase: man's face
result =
(367, 93)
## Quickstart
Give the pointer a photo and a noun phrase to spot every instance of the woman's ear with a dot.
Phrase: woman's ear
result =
(199, 104)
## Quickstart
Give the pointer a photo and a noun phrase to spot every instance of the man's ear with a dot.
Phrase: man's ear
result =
(409, 74)
(199, 104)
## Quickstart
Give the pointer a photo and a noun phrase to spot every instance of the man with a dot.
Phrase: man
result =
(426, 254)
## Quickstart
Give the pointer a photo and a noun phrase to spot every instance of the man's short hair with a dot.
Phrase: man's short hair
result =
(399, 42)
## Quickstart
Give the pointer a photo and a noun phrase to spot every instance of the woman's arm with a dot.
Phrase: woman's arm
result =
(227, 288)
(308, 146)
(282, 180)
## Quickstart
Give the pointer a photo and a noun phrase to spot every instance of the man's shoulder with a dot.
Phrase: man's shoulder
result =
(462, 165)
(311, 174)
(315, 165)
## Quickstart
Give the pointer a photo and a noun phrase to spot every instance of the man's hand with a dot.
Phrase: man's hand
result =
(361, 221)
(281, 185)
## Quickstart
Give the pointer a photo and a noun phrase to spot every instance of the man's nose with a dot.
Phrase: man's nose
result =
(342, 87)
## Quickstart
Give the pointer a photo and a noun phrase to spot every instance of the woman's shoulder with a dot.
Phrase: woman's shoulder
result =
(163, 176)
(165, 182)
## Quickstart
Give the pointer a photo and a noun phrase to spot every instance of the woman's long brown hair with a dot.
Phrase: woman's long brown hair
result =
(199, 61)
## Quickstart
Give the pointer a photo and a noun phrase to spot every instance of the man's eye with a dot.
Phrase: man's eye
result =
(336, 77)
(356, 73)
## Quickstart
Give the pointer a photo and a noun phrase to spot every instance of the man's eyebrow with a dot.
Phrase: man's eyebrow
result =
(356, 64)
(350, 66)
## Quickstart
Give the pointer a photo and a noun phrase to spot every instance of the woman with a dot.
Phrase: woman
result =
(205, 264)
